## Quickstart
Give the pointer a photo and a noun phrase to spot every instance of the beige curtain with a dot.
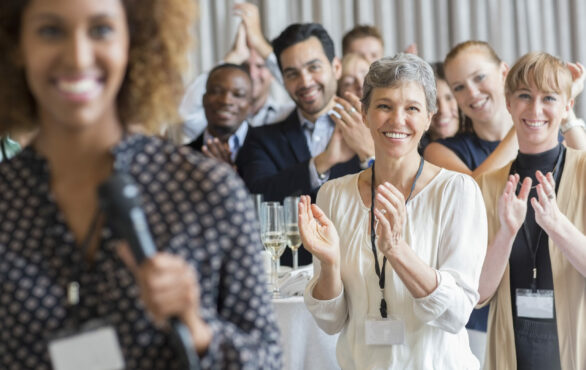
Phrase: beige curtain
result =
(512, 27)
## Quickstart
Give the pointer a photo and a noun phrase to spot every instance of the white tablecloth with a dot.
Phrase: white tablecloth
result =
(305, 345)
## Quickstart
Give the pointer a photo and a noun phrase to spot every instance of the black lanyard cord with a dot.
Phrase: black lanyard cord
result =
(381, 272)
(533, 251)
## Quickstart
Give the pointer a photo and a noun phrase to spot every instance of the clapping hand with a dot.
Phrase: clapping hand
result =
(356, 134)
(390, 212)
(578, 77)
(547, 213)
(239, 52)
(512, 208)
(318, 234)
(214, 148)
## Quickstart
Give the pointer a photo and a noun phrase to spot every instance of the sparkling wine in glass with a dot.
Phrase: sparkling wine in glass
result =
(292, 228)
(272, 229)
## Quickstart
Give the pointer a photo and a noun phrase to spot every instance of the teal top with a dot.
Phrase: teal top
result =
(8, 147)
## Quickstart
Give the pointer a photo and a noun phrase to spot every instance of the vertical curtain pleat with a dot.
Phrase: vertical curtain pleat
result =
(512, 27)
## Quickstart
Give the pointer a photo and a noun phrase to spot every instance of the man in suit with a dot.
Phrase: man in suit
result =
(227, 103)
(296, 156)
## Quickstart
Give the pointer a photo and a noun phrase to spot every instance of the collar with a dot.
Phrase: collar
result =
(307, 124)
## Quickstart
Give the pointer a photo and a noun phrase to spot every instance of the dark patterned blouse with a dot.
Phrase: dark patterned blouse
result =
(196, 208)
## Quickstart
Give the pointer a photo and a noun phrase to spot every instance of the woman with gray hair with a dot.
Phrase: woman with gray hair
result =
(398, 247)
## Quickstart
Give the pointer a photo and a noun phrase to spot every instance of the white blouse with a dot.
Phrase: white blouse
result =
(446, 226)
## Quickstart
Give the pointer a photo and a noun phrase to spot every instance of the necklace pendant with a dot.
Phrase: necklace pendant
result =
(73, 293)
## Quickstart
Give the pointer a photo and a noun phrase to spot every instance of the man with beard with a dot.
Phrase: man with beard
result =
(227, 104)
(296, 156)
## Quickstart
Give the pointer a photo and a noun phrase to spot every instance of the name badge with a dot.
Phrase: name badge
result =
(538, 305)
(96, 349)
(384, 332)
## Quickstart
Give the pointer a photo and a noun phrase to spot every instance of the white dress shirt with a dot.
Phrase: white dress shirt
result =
(446, 227)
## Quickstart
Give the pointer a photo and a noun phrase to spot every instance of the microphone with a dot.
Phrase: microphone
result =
(119, 198)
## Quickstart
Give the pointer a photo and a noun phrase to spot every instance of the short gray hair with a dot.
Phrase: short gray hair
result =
(393, 71)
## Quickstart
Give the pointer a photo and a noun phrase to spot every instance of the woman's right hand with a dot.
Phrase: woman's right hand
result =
(318, 234)
(512, 208)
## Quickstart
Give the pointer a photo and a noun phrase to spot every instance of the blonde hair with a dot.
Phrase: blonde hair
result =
(152, 89)
(545, 71)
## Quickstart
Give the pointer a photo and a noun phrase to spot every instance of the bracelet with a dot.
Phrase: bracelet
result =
(571, 124)
(367, 163)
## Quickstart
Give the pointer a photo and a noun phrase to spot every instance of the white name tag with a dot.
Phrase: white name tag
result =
(384, 332)
(96, 349)
(538, 305)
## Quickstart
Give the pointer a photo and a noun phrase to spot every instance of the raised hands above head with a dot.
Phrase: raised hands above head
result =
(239, 52)
(251, 21)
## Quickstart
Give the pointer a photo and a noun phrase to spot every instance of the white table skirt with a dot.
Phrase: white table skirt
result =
(305, 345)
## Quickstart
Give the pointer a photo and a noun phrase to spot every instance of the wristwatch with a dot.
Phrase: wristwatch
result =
(571, 124)
(368, 162)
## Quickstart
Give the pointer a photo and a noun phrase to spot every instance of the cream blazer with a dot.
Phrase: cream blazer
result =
(569, 284)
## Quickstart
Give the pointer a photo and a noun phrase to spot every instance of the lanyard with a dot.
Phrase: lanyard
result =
(381, 272)
(533, 251)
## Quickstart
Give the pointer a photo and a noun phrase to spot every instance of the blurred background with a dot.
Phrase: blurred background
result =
(512, 27)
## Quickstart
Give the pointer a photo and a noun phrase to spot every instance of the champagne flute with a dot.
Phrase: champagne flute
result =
(292, 227)
(257, 199)
(273, 238)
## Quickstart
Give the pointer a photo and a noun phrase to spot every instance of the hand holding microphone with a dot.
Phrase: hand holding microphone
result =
(168, 285)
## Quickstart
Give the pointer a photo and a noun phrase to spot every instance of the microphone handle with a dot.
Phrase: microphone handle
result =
(143, 247)
(181, 338)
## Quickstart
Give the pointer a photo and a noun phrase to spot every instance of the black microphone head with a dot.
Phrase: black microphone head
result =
(119, 198)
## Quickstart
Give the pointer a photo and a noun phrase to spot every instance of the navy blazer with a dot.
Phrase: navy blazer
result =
(197, 143)
(274, 161)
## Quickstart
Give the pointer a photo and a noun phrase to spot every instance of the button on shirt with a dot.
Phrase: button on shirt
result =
(196, 208)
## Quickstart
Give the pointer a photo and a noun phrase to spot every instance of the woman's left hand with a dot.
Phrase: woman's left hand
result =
(547, 213)
(390, 212)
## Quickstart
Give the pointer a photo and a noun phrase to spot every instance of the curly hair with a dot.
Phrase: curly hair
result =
(160, 34)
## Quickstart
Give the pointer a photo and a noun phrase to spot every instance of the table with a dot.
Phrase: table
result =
(305, 345)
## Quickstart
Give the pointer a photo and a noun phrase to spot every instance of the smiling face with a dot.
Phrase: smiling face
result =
(537, 116)
(309, 77)
(227, 101)
(477, 83)
(397, 118)
(75, 54)
(260, 75)
(445, 122)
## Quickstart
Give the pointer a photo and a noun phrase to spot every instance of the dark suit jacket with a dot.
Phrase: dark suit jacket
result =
(274, 161)
(197, 143)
